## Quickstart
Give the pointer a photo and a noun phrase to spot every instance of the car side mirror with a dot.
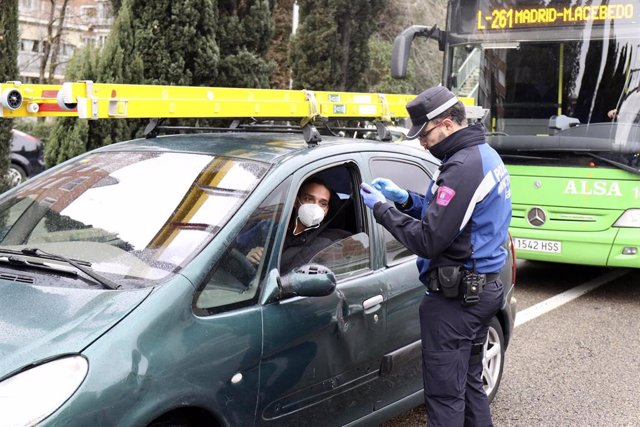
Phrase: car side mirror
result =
(309, 280)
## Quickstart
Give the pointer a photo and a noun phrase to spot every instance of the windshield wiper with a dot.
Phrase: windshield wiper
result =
(23, 262)
(616, 164)
(83, 266)
(21, 252)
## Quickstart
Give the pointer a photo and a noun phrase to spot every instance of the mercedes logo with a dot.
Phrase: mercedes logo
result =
(536, 217)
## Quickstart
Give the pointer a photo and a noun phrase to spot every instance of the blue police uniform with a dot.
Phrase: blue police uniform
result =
(462, 220)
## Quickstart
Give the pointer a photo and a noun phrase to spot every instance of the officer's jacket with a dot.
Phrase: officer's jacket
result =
(463, 218)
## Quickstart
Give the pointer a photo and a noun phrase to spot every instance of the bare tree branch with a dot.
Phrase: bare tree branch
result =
(56, 42)
(51, 44)
(46, 44)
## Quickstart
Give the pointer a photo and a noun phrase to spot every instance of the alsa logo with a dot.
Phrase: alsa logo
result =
(593, 188)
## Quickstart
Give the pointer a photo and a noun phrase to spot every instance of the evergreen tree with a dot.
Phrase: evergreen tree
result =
(244, 33)
(118, 62)
(69, 136)
(330, 50)
(176, 41)
(8, 71)
(279, 50)
(378, 74)
(425, 66)
(115, 6)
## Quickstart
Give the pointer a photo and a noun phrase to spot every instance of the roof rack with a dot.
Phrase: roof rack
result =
(89, 100)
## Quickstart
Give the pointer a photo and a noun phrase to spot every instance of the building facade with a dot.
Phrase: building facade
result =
(84, 23)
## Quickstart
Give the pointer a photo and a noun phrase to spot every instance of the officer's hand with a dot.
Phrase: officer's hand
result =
(390, 190)
(370, 195)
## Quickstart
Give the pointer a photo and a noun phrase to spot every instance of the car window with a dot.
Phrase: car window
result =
(235, 279)
(126, 213)
(342, 232)
(11, 212)
(409, 176)
(346, 257)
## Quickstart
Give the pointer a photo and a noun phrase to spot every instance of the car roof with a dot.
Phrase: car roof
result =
(267, 147)
(23, 136)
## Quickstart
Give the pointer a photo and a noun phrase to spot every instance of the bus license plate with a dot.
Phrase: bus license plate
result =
(546, 246)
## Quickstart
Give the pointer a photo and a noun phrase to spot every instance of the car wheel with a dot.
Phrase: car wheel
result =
(16, 175)
(493, 360)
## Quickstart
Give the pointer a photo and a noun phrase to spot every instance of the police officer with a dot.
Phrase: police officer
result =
(457, 230)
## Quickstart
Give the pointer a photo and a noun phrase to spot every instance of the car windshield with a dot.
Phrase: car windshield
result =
(132, 215)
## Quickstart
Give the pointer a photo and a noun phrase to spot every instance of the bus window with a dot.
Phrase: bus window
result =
(525, 84)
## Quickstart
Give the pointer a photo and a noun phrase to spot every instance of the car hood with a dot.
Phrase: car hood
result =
(38, 323)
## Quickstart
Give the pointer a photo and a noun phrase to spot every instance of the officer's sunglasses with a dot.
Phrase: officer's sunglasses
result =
(425, 134)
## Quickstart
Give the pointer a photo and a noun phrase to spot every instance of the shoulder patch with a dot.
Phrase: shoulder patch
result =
(445, 195)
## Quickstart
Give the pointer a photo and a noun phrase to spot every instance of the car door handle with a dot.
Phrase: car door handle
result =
(372, 302)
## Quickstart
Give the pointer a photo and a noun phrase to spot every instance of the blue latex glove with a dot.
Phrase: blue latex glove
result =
(370, 195)
(390, 190)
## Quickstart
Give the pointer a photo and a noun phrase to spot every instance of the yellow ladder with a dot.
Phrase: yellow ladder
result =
(89, 100)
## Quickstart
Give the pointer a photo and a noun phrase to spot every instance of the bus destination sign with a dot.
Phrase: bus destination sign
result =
(513, 18)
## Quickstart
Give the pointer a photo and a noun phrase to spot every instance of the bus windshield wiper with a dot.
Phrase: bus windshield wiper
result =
(80, 265)
(614, 163)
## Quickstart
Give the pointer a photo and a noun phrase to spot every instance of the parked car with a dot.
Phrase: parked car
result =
(27, 157)
(126, 298)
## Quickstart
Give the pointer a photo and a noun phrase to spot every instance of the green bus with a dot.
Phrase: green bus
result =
(557, 85)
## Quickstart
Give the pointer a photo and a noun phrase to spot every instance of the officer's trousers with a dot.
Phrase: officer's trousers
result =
(453, 390)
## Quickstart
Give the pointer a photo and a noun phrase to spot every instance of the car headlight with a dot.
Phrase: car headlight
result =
(32, 395)
(630, 218)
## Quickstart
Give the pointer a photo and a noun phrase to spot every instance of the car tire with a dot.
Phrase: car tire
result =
(16, 175)
(493, 359)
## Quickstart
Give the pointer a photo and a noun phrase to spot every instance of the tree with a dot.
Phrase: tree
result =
(425, 65)
(115, 6)
(176, 40)
(244, 33)
(52, 16)
(69, 136)
(279, 50)
(51, 45)
(8, 71)
(330, 49)
(378, 74)
(152, 42)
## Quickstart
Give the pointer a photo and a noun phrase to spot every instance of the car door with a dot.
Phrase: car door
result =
(401, 368)
(322, 355)
(226, 338)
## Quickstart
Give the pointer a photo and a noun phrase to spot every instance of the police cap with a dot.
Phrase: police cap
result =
(426, 106)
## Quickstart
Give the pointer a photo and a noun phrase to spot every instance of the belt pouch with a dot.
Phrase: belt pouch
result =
(449, 278)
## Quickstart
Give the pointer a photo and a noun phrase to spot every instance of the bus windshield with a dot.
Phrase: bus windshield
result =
(556, 84)
(557, 78)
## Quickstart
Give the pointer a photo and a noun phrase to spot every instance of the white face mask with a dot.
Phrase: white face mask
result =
(310, 215)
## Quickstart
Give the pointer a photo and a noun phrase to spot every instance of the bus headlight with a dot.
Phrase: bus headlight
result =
(630, 218)
(31, 396)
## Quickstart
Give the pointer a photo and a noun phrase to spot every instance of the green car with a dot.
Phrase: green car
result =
(126, 295)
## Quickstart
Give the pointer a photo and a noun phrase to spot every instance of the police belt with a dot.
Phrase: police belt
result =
(433, 284)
